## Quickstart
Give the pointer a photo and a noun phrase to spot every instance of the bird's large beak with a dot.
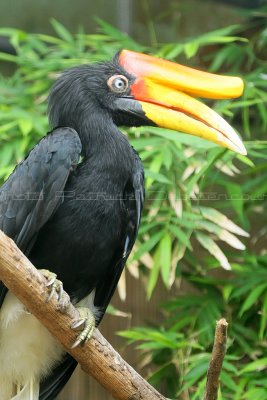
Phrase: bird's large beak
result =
(167, 91)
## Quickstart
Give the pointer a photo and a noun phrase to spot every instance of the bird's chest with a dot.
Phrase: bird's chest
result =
(93, 212)
(80, 242)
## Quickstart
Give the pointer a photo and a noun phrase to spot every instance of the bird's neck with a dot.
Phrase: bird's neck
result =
(101, 136)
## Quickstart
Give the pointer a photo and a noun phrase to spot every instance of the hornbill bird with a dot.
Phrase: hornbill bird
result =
(73, 206)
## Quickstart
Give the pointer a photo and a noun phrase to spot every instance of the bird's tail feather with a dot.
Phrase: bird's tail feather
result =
(30, 391)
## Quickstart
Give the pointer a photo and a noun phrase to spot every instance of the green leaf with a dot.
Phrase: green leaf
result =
(153, 277)
(165, 258)
(258, 365)
(25, 125)
(212, 158)
(213, 249)
(195, 374)
(221, 220)
(182, 138)
(7, 127)
(245, 160)
(263, 322)
(255, 393)
(118, 313)
(121, 37)
(181, 235)
(153, 172)
(228, 381)
(155, 176)
(221, 233)
(236, 198)
(252, 298)
(191, 49)
(148, 245)
(62, 32)
(8, 57)
(167, 157)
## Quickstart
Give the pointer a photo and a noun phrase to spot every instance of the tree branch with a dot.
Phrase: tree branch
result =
(97, 357)
(216, 361)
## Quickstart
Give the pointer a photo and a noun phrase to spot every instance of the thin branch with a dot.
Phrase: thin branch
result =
(216, 361)
(97, 358)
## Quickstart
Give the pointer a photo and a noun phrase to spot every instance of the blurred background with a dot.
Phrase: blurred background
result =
(201, 252)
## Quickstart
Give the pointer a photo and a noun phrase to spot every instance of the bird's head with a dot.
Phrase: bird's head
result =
(136, 89)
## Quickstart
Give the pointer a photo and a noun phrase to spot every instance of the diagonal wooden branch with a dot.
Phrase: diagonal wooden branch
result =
(97, 358)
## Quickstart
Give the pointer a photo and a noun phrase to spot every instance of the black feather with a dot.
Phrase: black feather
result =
(34, 190)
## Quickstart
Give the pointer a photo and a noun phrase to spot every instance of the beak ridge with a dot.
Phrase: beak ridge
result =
(167, 91)
(194, 82)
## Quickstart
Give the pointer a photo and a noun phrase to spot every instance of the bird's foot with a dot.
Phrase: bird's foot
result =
(55, 286)
(87, 322)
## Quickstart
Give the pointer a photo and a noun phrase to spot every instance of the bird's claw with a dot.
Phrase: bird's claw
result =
(55, 286)
(87, 320)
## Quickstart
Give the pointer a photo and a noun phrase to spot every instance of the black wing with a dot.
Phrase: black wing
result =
(133, 200)
(33, 191)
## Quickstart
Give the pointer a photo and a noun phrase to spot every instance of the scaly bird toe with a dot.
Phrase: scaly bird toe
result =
(55, 286)
(87, 320)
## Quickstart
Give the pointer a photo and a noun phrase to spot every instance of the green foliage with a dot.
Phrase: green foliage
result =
(188, 328)
(201, 202)
(207, 184)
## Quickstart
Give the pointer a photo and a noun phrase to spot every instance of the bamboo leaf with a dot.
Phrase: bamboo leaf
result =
(252, 298)
(148, 245)
(165, 258)
(180, 235)
(263, 323)
(153, 172)
(25, 126)
(222, 234)
(257, 365)
(62, 32)
(213, 249)
(153, 277)
(221, 220)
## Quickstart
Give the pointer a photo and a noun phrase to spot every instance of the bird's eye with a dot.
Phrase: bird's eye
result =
(118, 83)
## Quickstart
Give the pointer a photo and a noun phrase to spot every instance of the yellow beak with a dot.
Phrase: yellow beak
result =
(167, 91)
